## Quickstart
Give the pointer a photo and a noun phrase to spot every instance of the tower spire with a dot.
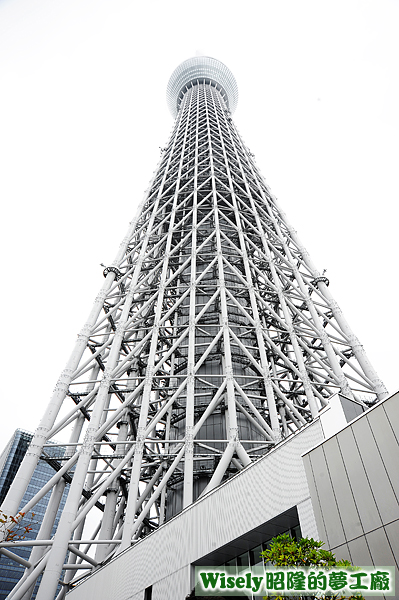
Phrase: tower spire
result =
(213, 337)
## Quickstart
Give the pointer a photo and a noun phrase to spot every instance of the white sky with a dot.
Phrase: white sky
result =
(82, 117)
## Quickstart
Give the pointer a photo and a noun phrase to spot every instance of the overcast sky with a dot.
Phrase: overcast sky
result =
(83, 115)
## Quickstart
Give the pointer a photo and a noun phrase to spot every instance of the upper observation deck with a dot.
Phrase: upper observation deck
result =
(199, 69)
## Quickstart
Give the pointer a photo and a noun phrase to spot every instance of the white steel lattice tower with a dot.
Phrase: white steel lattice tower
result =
(212, 338)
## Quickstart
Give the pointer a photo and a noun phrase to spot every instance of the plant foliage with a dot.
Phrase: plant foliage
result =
(284, 551)
(11, 528)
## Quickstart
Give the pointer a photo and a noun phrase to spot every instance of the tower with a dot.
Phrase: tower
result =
(212, 339)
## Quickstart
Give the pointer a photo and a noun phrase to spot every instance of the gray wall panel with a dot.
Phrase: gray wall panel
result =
(392, 532)
(342, 490)
(359, 551)
(332, 521)
(380, 549)
(379, 482)
(342, 552)
(391, 407)
(387, 445)
(314, 498)
(369, 515)
(370, 457)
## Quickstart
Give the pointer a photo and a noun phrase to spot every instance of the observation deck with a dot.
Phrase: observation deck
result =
(201, 68)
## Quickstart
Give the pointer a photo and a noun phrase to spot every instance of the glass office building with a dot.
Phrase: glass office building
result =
(10, 460)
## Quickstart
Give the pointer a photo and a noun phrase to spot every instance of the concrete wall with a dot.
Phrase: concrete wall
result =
(264, 490)
(354, 482)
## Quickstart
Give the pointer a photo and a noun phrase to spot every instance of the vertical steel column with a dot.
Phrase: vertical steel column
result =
(106, 529)
(231, 415)
(189, 452)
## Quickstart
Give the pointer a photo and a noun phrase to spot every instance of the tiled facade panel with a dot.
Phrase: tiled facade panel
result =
(261, 492)
(178, 583)
(354, 475)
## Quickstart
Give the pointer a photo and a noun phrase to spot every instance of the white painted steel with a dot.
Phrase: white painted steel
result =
(251, 498)
(212, 339)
